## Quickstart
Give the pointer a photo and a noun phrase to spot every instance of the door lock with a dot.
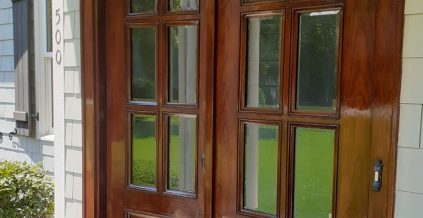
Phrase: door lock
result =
(377, 182)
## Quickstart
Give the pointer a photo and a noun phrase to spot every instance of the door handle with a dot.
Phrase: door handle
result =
(377, 180)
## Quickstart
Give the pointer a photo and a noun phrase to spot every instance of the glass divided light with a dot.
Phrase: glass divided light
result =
(261, 144)
(318, 43)
(183, 66)
(143, 6)
(143, 164)
(182, 153)
(313, 173)
(263, 61)
(184, 5)
(143, 48)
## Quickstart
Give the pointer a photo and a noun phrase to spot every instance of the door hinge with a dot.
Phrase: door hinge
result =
(36, 116)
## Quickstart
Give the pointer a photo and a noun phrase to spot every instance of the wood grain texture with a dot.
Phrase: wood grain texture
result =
(120, 194)
(367, 122)
(93, 94)
(115, 113)
(386, 93)
(356, 86)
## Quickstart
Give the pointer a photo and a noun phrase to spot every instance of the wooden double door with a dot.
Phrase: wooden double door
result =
(239, 108)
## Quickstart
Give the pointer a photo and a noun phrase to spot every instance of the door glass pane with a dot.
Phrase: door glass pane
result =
(143, 6)
(260, 167)
(318, 61)
(144, 150)
(314, 161)
(182, 153)
(143, 49)
(183, 64)
(263, 65)
(184, 5)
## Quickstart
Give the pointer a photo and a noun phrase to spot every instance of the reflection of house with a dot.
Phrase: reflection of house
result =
(40, 96)
(32, 94)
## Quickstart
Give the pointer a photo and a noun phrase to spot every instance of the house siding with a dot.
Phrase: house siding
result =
(20, 148)
(32, 150)
(409, 185)
(73, 109)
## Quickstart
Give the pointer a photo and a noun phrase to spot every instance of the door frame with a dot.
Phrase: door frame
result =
(385, 106)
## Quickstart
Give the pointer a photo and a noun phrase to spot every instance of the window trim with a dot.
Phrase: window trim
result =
(43, 88)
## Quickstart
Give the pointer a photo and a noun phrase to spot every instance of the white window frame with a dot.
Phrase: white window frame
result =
(43, 74)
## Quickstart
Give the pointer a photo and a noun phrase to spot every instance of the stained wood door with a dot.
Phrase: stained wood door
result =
(158, 59)
(269, 115)
(293, 108)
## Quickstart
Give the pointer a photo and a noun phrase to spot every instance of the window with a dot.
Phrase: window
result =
(43, 69)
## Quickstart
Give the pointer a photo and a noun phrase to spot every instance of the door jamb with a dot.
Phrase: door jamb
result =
(93, 107)
(386, 94)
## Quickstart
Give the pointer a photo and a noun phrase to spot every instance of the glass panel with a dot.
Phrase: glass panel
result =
(143, 6)
(144, 150)
(263, 74)
(143, 64)
(314, 156)
(260, 167)
(184, 5)
(182, 153)
(260, 1)
(318, 61)
(183, 64)
(49, 26)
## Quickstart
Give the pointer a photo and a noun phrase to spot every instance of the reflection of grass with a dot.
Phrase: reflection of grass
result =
(314, 165)
(316, 108)
(143, 162)
(174, 163)
(313, 192)
(268, 156)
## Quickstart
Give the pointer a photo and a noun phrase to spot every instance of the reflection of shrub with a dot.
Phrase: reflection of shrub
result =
(173, 180)
(143, 173)
(25, 191)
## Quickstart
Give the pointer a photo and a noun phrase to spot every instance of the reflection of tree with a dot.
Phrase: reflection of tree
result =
(263, 61)
(143, 5)
(318, 45)
(173, 56)
(177, 5)
(269, 61)
(143, 63)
